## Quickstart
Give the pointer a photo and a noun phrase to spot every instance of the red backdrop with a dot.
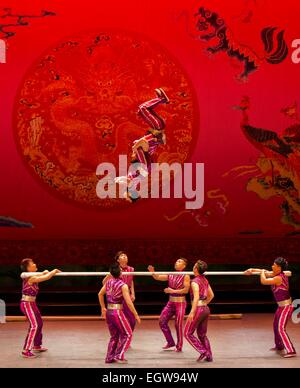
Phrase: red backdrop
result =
(239, 199)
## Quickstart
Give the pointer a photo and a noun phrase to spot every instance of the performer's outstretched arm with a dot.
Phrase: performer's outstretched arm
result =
(44, 277)
(101, 301)
(250, 271)
(162, 278)
(271, 281)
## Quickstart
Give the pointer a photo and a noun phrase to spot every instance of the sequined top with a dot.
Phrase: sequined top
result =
(127, 279)
(113, 289)
(281, 292)
(30, 289)
(176, 282)
(203, 287)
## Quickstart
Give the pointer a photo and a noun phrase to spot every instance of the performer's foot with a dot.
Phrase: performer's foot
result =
(289, 355)
(201, 357)
(168, 347)
(162, 94)
(109, 361)
(275, 349)
(208, 359)
(178, 350)
(39, 349)
(121, 361)
(158, 92)
(28, 354)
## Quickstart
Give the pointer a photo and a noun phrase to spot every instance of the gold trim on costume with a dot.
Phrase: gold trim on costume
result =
(286, 302)
(28, 298)
(114, 306)
(178, 299)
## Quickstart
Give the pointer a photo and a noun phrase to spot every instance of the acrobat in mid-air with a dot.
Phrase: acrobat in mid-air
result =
(146, 146)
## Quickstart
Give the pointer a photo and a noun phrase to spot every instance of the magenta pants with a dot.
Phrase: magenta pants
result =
(129, 315)
(34, 335)
(120, 335)
(199, 324)
(282, 340)
(146, 110)
(172, 309)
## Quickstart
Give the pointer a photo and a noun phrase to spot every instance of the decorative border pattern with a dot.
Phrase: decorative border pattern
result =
(101, 252)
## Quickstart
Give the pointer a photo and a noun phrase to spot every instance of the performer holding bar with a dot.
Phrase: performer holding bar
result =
(176, 306)
(30, 289)
(279, 283)
(201, 295)
(120, 331)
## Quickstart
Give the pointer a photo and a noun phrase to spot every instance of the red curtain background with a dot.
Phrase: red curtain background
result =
(236, 223)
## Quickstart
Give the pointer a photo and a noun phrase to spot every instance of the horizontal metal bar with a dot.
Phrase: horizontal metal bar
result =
(209, 273)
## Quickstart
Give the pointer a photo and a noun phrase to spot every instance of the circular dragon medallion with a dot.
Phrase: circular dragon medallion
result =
(77, 107)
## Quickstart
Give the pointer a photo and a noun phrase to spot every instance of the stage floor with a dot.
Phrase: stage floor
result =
(79, 344)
